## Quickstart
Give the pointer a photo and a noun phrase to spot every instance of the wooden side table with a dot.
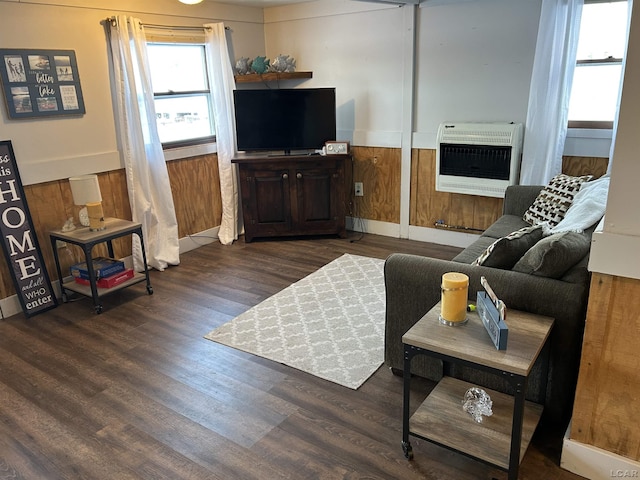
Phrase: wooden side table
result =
(502, 438)
(86, 240)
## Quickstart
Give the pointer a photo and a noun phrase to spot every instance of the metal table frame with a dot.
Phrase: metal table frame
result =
(86, 240)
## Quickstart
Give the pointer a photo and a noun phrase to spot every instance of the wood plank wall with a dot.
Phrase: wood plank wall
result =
(605, 412)
(379, 170)
(195, 185)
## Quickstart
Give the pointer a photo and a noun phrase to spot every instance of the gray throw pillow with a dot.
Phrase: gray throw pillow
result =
(506, 251)
(554, 255)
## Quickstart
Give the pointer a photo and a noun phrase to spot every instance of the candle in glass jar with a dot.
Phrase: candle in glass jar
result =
(455, 287)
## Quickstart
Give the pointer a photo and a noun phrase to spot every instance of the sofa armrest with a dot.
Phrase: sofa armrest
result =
(518, 198)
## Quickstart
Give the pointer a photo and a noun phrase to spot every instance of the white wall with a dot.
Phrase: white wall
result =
(354, 46)
(59, 147)
(474, 63)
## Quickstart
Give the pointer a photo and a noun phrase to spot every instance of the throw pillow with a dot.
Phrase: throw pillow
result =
(588, 207)
(554, 200)
(554, 255)
(506, 251)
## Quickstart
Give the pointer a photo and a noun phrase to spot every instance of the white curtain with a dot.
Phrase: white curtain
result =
(222, 87)
(553, 67)
(147, 177)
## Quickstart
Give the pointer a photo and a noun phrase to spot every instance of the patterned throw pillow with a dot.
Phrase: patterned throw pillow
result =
(506, 251)
(554, 200)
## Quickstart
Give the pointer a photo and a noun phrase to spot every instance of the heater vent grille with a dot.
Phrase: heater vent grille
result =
(478, 158)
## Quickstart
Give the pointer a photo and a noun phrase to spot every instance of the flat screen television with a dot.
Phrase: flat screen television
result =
(285, 119)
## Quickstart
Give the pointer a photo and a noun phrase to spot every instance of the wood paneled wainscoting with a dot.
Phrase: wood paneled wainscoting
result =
(195, 186)
(605, 413)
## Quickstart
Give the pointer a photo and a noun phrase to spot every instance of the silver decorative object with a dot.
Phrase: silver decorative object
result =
(283, 63)
(477, 403)
(243, 66)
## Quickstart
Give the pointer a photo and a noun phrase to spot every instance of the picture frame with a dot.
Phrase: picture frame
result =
(40, 83)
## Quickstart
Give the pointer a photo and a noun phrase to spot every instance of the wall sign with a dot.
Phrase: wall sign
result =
(19, 240)
(41, 83)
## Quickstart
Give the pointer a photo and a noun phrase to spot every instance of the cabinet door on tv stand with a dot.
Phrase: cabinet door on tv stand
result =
(269, 206)
(320, 199)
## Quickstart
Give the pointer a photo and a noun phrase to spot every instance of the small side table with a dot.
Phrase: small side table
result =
(501, 439)
(86, 240)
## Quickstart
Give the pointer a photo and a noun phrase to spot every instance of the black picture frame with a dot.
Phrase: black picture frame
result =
(19, 240)
(41, 83)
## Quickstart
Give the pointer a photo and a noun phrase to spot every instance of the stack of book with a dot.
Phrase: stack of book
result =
(109, 272)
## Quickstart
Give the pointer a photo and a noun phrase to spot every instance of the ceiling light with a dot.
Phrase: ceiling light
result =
(190, 2)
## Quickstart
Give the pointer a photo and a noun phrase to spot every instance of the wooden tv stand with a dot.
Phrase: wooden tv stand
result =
(292, 195)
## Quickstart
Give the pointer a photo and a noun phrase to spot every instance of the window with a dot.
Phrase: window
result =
(182, 94)
(596, 80)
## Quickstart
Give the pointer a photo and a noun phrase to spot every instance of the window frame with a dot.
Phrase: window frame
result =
(610, 60)
(206, 140)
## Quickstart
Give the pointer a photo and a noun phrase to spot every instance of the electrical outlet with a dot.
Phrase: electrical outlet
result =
(357, 188)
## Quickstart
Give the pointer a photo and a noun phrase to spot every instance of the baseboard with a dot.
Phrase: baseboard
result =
(191, 242)
(422, 234)
(595, 463)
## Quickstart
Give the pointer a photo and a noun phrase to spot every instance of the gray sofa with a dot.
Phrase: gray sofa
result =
(413, 287)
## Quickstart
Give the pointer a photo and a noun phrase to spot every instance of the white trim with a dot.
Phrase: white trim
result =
(47, 170)
(192, 151)
(197, 240)
(610, 254)
(371, 138)
(595, 463)
(373, 226)
(421, 234)
(408, 61)
(442, 236)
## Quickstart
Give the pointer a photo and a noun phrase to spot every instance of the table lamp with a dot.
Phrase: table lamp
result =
(86, 192)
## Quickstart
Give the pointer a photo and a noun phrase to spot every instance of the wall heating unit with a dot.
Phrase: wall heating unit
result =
(478, 158)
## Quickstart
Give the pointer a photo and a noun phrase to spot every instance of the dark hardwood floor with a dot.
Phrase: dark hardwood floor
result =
(138, 393)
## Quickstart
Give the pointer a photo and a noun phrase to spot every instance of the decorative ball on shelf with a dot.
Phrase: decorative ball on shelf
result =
(243, 66)
(283, 63)
(260, 64)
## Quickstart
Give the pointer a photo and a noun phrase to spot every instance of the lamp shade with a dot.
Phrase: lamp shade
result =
(85, 189)
(190, 2)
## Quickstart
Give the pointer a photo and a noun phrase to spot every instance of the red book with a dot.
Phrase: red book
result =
(110, 281)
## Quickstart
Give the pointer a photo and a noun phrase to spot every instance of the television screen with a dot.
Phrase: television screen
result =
(285, 119)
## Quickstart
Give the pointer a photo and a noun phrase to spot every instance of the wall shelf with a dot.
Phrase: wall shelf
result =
(272, 76)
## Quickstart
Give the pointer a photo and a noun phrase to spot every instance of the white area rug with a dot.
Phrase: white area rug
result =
(329, 324)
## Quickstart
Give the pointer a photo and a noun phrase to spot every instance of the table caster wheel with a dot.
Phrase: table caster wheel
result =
(98, 309)
(149, 289)
(408, 450)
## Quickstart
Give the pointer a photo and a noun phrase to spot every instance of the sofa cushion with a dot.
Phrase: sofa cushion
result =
(473, 251)
(554, 255)
(504, 226)
(506, 251)
(554, 200)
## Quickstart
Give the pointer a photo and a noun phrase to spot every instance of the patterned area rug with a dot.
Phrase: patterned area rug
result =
(329, 324)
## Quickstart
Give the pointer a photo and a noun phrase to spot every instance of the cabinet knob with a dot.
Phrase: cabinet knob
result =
(299, 175)
(285, 175)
